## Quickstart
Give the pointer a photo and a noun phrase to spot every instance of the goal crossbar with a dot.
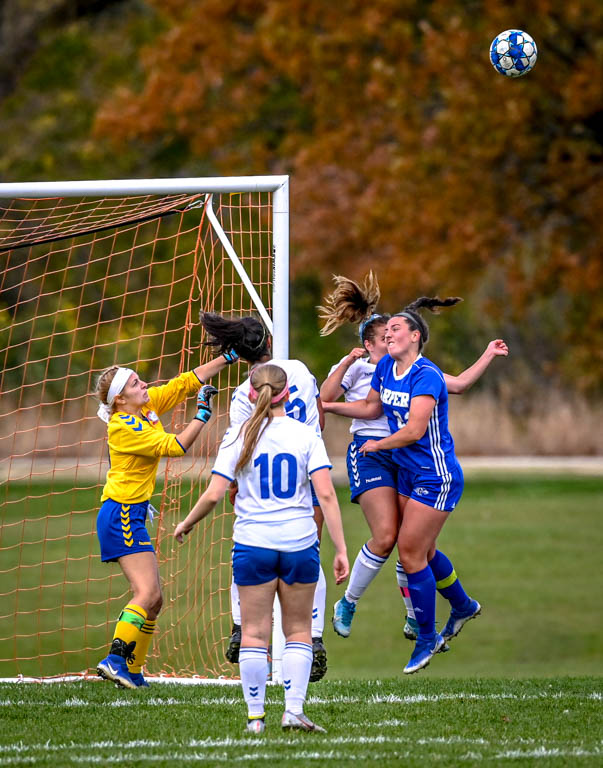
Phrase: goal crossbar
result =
(278, 325)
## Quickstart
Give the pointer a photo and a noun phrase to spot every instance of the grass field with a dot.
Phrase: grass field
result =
(417, 721)
(529, 549)
(522, 684)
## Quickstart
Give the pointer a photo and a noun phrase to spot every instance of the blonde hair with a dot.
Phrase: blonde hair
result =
(103, 383)
(349, 302)
(268, 381)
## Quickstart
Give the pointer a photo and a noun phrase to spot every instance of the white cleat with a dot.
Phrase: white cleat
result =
(291, 722)
(255, 725)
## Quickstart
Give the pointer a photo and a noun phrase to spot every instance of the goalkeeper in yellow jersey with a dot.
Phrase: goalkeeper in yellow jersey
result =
(137, 441)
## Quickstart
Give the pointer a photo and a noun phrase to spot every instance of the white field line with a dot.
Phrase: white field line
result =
(244, 741)
(514, 754)
(271, 758)
(155, 701)
(324, 751)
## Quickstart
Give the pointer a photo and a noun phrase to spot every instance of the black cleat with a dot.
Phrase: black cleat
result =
(319, 660)
(234, 645)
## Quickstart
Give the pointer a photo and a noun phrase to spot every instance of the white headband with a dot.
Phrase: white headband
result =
(120, 380)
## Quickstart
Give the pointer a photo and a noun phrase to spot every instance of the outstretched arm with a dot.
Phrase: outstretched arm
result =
(331, 388)
(207, 370)
(370, 408)
(189, 434)
(456, 385)
(208, 500)
(421, 408)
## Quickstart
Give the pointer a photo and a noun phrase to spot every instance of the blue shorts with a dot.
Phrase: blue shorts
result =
(438, 491)
(370, 470)
(256, 565)
(121, 529)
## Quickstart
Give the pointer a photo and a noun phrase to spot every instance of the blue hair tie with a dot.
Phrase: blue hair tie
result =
(365, 323)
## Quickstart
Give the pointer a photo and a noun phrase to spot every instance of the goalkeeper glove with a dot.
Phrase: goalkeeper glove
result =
(204, 402)
(230, 356)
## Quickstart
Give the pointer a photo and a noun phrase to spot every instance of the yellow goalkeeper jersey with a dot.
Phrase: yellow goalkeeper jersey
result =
(136, 444)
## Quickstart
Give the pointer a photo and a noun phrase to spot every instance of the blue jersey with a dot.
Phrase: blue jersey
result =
(434, 452)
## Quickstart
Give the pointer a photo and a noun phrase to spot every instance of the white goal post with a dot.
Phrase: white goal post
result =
(277, 186)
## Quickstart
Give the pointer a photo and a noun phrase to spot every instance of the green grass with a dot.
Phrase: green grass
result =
(521, 685)
(527, 547)
(417, 721)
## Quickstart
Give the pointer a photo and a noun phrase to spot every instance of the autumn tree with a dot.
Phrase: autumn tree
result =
(408, 151)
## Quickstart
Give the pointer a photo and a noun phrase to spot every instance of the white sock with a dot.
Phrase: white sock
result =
(297, 663)
(253, 667)
(365, 568)
(235, 604)
(403, 584)
(318, 609)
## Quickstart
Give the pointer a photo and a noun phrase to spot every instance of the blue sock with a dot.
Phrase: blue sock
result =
(422, 588)
(447, 582)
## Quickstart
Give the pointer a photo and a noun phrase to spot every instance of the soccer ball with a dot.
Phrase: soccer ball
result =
(513, 53)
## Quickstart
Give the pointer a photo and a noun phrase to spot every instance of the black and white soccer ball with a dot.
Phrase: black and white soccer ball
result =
(513, 53)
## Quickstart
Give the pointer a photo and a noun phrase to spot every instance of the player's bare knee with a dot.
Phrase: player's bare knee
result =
(158, 601)
(383, 542)
(411, 559)
(150, 599)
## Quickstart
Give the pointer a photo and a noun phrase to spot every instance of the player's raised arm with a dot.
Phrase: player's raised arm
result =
(332, 388)
(206, 371)
(456, 385)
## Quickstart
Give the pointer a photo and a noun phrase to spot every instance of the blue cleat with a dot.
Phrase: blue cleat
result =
(138, 679)
(424, 650)
(115, 668)
(411, 629)
(458, 619)
(343, 613)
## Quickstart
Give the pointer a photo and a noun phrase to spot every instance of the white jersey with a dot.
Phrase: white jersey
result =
(301, 404)
(356, 384)
(273, 506)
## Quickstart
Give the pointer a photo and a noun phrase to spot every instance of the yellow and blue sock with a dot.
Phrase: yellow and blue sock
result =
(447, 582)
(131, 621)
(143, 644)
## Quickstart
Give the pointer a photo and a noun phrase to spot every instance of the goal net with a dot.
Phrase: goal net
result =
(93, 274)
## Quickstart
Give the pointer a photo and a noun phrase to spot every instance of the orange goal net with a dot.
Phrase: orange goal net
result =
(86, 282)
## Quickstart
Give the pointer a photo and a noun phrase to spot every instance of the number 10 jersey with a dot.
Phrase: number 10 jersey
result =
(273, 506)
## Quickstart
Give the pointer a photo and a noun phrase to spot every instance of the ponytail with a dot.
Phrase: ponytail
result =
(247, 336)
(416, 322)
(350, 302)
(268, 384)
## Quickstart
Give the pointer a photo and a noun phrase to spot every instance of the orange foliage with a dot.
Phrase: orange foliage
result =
(408, 152)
